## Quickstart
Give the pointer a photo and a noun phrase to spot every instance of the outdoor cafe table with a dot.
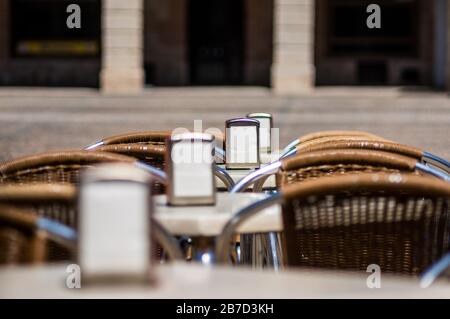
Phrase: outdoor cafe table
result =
(208, 221)
(206, 282)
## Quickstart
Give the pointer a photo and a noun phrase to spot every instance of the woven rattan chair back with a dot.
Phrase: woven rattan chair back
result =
(150, 154)
(55, 167)
(153, 155)
(336, 139)
(400, 222)
(57, 202)
(336, 134)
(317, 164)
(53, 201)
(22, 242)
(364, 144)
(157, 138)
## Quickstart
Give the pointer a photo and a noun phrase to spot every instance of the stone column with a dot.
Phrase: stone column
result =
(122, 51)
(293, 55)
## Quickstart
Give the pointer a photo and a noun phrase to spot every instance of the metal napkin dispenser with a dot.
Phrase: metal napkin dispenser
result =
(190, 168)
(242, 144)
(265, 128)
(115, 208)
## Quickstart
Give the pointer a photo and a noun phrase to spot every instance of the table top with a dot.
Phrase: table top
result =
(210, 220)
(207, 282)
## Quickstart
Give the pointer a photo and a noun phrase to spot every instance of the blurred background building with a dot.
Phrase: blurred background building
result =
(288, 45)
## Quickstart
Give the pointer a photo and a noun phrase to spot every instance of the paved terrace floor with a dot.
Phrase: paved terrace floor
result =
(36, 120)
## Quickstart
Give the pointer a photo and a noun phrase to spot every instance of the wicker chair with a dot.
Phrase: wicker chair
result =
(153, 138)
(65, 166)
(153, 155)
(309, 138)
(315, 165)
(150, 154)
(360, 140)
(381, 145)
(58, 203)
(54, 167)
(332, 162)
(156, 138)
(27, 238)
(53, 201)
(149, 148)
(400, 222)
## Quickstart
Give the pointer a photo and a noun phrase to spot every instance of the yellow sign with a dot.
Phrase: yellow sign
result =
(76, 48)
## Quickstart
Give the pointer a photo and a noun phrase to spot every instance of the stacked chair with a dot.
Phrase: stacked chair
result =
(45, 186)
(332, 142)
(351, 199)
(359, 140)
(150, 148)
(149, 138)
(54, 167)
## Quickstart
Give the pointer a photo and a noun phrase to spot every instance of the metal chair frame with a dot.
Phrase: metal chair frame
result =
(435, 271)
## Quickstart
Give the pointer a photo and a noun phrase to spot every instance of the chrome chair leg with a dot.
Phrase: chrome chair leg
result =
(274, 249)
(246, 249)
(262, 251)
(435, 271)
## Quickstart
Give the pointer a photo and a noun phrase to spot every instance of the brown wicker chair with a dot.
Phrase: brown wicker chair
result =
(361, 143)
(58, 203)
(150, 154)
(360, 140)
(336, 134)
(157, 138)
(316, 164)
(147, 153)
(53, 201)
(373, 144)
(149, 147)
(54, 167)
(399, 221)
(23, 240)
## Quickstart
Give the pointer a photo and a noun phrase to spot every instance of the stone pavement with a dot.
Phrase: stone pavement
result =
(36, 120)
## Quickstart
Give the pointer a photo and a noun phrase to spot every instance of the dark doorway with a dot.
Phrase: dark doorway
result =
(216, 42)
